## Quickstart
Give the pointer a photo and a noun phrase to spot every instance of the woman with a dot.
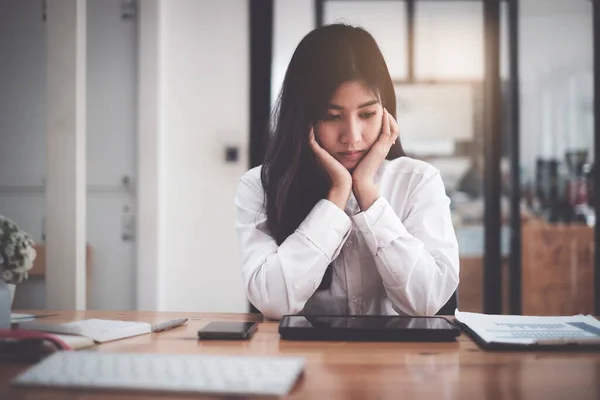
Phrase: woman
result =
(327, 225)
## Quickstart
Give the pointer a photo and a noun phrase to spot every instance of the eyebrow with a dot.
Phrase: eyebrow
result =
(363, 105)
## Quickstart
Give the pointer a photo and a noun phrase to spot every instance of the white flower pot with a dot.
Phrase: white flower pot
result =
(11, 288)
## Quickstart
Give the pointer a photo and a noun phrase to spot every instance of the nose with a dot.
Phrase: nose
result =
(351, 133)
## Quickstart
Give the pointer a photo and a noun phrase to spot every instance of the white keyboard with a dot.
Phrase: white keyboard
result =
(231, 375)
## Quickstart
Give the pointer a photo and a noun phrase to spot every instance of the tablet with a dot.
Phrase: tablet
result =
(367, 328)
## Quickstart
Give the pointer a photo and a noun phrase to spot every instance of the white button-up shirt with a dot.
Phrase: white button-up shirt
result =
(400, 256)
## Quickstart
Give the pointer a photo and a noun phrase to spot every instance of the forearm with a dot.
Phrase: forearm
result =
(280, 279)
(415, 281)
(287, 278)
(419, 268)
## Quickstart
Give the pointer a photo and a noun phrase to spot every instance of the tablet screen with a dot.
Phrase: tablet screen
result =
(365, 322)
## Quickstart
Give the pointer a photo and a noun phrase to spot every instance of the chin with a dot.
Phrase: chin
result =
(350, 165)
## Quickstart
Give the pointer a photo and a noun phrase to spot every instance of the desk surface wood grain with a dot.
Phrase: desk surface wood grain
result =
(352, 370)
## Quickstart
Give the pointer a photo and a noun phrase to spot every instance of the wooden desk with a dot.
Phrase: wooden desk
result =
(345, 370)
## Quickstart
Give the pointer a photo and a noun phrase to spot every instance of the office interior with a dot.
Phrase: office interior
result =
(132, 209)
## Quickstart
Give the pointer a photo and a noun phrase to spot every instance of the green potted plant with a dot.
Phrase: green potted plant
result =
(16, 256)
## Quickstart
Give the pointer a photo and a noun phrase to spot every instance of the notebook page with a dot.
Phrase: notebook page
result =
(101, 330)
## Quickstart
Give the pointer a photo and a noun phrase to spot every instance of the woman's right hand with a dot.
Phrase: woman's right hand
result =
(340, 177)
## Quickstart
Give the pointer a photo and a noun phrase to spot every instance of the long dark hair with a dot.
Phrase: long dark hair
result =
(291, 177)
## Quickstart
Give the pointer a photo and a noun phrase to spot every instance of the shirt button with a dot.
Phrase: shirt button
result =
(354, 300)
(349, 242)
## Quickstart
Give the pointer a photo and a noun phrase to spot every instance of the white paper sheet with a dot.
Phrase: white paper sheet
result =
(527, 330)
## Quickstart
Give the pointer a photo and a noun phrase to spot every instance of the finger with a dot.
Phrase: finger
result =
(320, 152)
(312, 140)
(386, 126)
(383, 144)
(394, 128)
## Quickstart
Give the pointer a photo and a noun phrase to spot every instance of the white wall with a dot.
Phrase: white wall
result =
(203, 78)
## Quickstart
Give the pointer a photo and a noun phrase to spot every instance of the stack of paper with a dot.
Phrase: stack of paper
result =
(526, 330)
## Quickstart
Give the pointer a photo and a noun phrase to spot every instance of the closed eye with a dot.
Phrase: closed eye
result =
(332, 117)
(367, 115)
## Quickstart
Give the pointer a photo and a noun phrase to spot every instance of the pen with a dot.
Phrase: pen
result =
(163, 326)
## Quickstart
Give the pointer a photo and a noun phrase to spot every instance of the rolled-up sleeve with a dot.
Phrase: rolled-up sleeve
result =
(280, 279)
(417, 257)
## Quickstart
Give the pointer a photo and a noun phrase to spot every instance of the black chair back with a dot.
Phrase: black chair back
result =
(450, 306)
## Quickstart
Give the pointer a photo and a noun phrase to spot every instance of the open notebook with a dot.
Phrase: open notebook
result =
(99, 330)
(522, 332)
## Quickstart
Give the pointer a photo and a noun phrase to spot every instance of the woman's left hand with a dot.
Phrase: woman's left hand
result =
(363, 184)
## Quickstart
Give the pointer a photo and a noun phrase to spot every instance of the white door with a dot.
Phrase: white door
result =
(111, 149)
(111, 107)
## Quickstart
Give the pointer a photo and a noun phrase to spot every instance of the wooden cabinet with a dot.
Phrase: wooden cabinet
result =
(557, 269)
(557, 272)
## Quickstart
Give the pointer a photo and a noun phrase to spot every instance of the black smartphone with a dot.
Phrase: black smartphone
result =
(227, 330)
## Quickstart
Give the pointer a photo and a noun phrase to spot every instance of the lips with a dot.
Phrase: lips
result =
(351, 155)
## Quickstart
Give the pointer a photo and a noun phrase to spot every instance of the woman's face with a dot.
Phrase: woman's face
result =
(352, 123)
